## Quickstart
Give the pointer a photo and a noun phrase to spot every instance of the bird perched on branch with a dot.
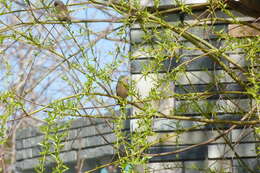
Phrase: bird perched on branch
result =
(122, 87)
(62, 12)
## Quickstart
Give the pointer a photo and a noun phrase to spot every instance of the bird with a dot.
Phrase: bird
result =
(62, 12)
(122, 87)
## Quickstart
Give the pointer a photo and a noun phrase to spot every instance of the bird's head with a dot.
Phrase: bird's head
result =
(57, 3)
(123, 79)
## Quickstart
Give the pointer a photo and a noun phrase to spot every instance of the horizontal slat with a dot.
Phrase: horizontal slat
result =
(184, 89)
(213, 151)
(145, 51)
(217, 106)
(197, 15)
(141, 51)
(239, 59)
(233, 117)
(32, 150)
(191, 49)
(150, 3)
(165, 167)
(139, 36)
(236, 30)
(202, 14)
(141, 65)
(82, 122)
(220, 165)
(30, 142)
(72, 135)
(224, 151)
(251, 163)
(32, 163)
(195, 166)
(24, 154)
(191, 63)
(95, 130)
(167, 125)
(75, 125)
(161, 124)
(198, 136)
(93, 153)
(27, 132)
(149, 65)
(195, 77)
(244, 135)
(192, 81)
(199, 153)
(27, 164)
(206, 77)
(89, 143)
(191, 137)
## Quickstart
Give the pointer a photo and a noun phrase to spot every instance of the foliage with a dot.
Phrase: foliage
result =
(54, 72)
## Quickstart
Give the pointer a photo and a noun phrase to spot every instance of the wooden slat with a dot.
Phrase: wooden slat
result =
(198, 153)
(161, 124)
(223, 150)
(197, 15)
(168, 3)
(236, 30)
(217, 106)
(195, 166)
(206, 77)
(244, 135)
(184, 89)
(252, 163)
(170, 125)
(223, 165)
(137, 35)
(165, 167)
(193, 63)
(185, 138)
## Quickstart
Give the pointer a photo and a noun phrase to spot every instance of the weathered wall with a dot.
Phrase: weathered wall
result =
(200, 76)
(89, 139)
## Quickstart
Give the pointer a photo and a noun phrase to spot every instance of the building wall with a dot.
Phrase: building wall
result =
(89, 139)
(199, 76)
